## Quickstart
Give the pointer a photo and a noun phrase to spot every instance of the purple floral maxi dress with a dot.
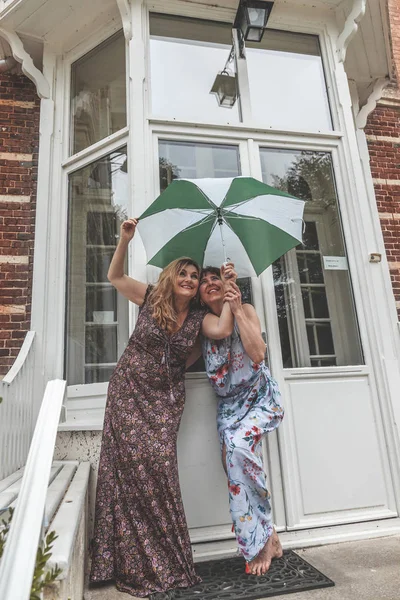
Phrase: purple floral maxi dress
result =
(141, 538)
(248, 407)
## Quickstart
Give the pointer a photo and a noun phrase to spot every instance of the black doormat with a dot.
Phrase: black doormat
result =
(226, 580)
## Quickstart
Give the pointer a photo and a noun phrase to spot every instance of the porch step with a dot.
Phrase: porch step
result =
(66, 514)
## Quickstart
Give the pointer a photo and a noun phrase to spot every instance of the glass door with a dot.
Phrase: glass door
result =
(330, 436)
(314, 300)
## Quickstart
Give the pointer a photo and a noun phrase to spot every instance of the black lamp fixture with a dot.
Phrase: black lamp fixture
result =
(225, 89)
(251, 19)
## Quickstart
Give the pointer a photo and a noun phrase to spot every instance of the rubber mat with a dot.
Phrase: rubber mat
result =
(226, 580)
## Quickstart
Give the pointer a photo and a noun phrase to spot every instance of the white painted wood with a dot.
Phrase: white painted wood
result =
(340, 466)
(24, 534)
(16, 409)
(67, 519)
(125, 11)
(27, 66)
(96, 151)
(200, 466)
(373, 290)
(377, 91)
(57, 489)
(21, 358)
(350, 27)
(10, 480)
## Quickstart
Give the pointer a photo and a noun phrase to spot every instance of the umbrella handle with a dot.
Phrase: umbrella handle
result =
(220, 223)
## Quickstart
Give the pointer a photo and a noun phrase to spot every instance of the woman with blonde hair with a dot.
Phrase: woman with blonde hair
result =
(141, 538)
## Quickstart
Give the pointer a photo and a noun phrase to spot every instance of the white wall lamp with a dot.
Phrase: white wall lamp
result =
(251, 21)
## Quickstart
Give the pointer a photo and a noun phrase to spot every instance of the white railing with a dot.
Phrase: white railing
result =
(18, 561)
(16, 409)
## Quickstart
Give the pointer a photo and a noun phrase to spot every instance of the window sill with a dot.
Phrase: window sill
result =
(86, 403)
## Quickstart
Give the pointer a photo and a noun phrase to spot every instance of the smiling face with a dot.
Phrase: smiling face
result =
(186, 282)
(211, 287)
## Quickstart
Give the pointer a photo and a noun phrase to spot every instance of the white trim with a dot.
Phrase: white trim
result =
(331, 372)
(96, 151)
(240, 128)
(192, 9)
(27, 66)
(350, 27)
(18, 561)
(100, 148)
(379, 86)
(20, 360)
(307, 538)
(125, 12)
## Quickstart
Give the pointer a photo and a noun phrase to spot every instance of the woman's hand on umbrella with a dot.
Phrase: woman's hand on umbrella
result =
(228, 273)
(234, 297)
(128, 228)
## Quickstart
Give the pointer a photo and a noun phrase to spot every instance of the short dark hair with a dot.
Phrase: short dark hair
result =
(214, 270)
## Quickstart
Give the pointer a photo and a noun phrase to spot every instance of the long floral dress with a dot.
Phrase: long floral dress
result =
(248, 407)
(141, 538)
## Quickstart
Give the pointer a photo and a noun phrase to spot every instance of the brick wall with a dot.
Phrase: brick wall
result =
(19, 139)
(383, 136)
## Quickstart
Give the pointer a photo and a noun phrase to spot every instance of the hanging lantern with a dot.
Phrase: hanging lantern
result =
(225, 89)
(251, 19)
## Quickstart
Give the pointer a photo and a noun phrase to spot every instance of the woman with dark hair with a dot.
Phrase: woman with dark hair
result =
(141, 538)
(248, 408)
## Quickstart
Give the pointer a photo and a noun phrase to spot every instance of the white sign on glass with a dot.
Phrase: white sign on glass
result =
(335, 263)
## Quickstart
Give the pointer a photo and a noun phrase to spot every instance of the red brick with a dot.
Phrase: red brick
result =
(19, 132)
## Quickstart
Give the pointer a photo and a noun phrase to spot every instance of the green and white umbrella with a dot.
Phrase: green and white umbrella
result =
(213, 220)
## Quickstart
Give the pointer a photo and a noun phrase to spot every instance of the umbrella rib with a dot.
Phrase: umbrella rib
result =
(233, 206)
(243, 246)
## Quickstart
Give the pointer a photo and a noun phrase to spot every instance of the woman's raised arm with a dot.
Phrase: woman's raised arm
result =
(248, 324)
(130, 288)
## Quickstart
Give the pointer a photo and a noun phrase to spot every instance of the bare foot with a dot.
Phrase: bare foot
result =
(262, 562)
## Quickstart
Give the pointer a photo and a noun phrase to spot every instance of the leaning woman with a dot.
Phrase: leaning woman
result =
(249, 407)
(141, 539)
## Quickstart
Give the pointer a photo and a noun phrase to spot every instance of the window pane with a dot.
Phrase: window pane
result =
(97, 317)
(287, 82)
(98, 93)
(186, 56)
(191, 160)
(187, 160)
(316, 314)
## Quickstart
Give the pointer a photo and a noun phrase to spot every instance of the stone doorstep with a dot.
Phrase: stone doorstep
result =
(367, 570)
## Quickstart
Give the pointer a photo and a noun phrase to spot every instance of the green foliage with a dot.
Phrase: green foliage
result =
(41, 577)
(4, 529)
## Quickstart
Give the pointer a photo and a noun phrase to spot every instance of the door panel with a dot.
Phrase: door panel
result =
(340, 469)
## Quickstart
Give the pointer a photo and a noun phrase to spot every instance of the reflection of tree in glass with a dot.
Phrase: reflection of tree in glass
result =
(309, 178)
(168, 172)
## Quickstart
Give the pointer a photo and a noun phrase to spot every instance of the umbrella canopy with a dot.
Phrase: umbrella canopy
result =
(212, 220)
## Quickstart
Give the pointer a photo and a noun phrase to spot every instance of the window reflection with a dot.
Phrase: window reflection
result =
(316, 315)
(186, 55)
(98, 93)
(287, 82)
(97, 317)
(191, 160)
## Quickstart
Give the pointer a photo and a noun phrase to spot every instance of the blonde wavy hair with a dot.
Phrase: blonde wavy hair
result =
(161, 297)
